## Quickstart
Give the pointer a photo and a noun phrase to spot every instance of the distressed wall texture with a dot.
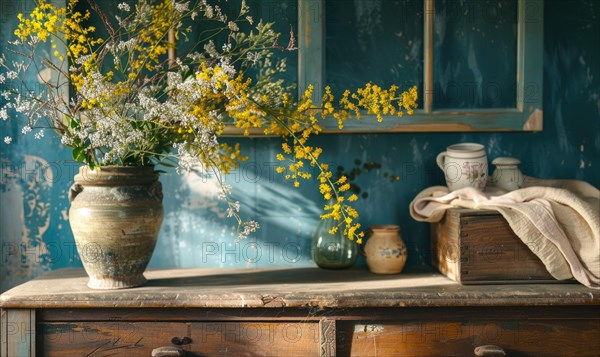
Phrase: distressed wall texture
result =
(35, 235)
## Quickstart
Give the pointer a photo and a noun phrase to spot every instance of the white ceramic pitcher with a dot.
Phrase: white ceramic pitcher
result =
(464, 165)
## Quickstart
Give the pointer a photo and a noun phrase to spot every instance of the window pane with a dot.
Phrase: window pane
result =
(475, 54)
(282, 13)
(379, 41)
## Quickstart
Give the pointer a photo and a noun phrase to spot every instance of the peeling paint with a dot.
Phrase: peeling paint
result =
(416, 152)
(371, 330)
(24, 249)
(535, 121)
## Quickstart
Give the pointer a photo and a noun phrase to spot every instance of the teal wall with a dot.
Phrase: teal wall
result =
(35, 234)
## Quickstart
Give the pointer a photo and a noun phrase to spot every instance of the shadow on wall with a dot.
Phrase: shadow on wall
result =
(197, 233)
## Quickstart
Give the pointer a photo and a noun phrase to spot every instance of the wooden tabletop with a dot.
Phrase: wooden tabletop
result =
(284, 287)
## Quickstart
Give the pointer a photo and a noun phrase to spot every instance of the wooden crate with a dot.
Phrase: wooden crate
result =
(478, 246)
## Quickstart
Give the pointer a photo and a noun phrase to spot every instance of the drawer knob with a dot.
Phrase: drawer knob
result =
(181, 341)
(168, 351)
(489, 351)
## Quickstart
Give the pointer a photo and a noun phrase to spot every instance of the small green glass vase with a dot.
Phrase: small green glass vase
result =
(332, 251)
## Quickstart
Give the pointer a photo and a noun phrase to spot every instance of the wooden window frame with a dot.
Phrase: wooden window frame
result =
(526, 116)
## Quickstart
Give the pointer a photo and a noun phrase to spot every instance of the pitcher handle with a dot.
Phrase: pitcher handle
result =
(440, 160)
(74, 191)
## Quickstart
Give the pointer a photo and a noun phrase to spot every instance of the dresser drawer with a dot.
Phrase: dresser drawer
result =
(119, 338)
(517, 337)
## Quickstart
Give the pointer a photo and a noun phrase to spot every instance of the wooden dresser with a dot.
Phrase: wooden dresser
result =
(297, 312)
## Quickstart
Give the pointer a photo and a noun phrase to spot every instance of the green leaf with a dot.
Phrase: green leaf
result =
(78, 154)
(73, 123)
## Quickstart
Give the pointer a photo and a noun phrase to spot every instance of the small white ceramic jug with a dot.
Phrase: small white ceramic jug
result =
(385, 251)
(507, 175)
(464, 165)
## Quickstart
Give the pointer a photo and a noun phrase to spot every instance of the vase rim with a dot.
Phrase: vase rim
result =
(116, 175)
(112, 167)
(465, 147)
(385, 227)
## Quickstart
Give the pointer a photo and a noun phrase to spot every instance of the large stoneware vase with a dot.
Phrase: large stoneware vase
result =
(115, 215)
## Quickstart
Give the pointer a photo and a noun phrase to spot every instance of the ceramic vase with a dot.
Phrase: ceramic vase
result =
(385, 251)
(115, 215)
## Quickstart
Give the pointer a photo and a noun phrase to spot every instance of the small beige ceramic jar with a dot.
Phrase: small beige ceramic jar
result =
(507, 175)
(385, 251)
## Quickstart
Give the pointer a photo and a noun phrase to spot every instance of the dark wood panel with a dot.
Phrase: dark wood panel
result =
(118, 338)
(532, 337)
(314, 315)
(182, 314)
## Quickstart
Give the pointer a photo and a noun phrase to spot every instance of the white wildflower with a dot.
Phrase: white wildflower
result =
(126, 45)
(2, 78)
(124, 7)
(233, 208)
(33, 40)
(182, 7)
(39, 134)
(12, 75)
(3, 114)
(210, 49)
(26, 129)
(188, 161)
(19, 66)
(225, 64)
(250, 19)
(7, 139)
(220, 16)
(194, 15)
(248, 228)
(226, 190)
(66, 140)
(173, 78)
(208, 12)
(233, 26)
(108, 158)
(82, 59)
(245, 8)
(254, 57)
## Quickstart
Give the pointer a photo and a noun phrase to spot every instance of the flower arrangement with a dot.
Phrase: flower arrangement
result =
(120, 95)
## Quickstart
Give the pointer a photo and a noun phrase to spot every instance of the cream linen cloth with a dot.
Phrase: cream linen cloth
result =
(557, 219)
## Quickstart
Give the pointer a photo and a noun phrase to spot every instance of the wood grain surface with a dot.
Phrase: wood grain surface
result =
(275, 288)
